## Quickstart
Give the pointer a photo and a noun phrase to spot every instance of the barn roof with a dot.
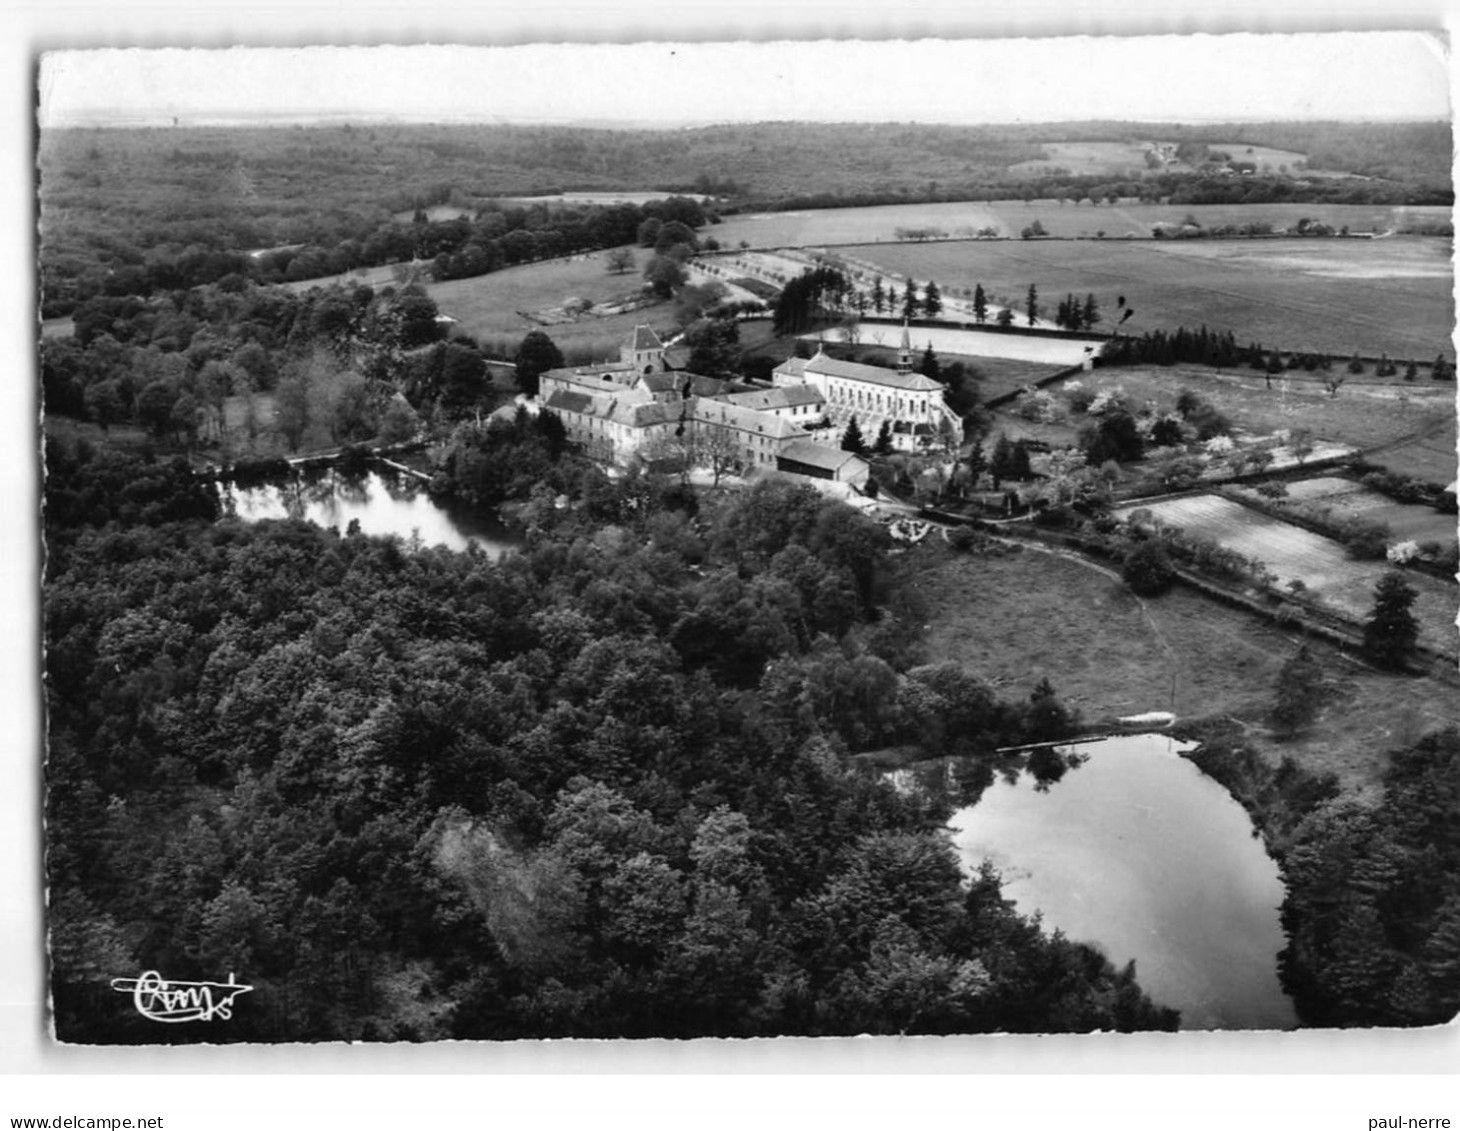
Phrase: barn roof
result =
(812, 454)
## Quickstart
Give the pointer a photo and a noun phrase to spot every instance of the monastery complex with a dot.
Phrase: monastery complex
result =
(643, 406)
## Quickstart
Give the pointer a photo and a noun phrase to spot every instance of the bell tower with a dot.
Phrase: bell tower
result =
(904, 352)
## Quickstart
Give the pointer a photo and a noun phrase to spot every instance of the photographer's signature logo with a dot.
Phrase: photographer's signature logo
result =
(157, 999)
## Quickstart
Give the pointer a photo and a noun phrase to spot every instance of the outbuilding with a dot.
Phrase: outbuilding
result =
(818, 461)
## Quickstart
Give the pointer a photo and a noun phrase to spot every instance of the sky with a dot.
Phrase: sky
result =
(1227, 77)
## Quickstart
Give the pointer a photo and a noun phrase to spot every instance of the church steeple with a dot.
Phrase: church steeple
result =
(904, 352)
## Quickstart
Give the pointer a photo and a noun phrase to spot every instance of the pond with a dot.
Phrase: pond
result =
(381, 502)
(1134, 850)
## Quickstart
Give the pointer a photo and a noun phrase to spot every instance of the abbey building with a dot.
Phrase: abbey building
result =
(643, 406)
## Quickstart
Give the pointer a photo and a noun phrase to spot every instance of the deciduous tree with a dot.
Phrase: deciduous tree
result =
(536, 354)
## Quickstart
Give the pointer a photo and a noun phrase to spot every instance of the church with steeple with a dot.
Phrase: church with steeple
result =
(911, 404)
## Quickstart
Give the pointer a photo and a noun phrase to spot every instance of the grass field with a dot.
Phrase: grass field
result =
(1346, 499)
(1291, 294)
(436, 213)
(1430, 458)
(487, 306)
(1322, 564)
(1361, 416)
(1047, 353)
(1119, 158)
(1116, 158)
(824, 226)
(1015, 619)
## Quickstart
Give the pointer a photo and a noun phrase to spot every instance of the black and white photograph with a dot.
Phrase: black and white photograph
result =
(715, 540)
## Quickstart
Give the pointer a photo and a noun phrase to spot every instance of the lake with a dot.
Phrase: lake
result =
(382, 503)
(1137, 852)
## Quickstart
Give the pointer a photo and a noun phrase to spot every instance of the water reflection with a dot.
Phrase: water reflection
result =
(380, 502)
(958, 783)
(1128, 846)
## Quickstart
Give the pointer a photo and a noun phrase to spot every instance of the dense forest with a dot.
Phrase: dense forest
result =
(1371, 913)
(605, 786)
(127, 211)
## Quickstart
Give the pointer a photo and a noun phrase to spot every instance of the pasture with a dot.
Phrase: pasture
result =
(1371, 296)
(1428, 456)
(1126, 158)
(1295, 554)
(1114, 158)
(436, 213)
(1361, 416)
(1345, 499)
(1047, 353)
(1267, 159)
(1128, 218)
(487, 306)
(1107, 653)
(599, 197)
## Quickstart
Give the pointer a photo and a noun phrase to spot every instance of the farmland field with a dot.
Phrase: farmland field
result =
(487, 306)
(1320, 563)
(1050, 353)
(436, 213)
(1108, 653)
(1346, 499)
(823, 226)
(1119, 158)
(1362, 416)
(602, 197)
(1429, 457)
(1281, 293)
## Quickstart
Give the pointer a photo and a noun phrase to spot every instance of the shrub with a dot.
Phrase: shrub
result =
(1445, 502)
(1180, 472)
(1209, 422)
(1053, 517)
(962, 538)
(1365, 540)
(1108, 400)
(1079, 398)
(1036, 405)
(1299, 692)
(1147, 569)
(1187, 403)
(1166, 433)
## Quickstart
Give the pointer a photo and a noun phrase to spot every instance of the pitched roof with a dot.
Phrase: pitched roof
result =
(702, 386)
(746, 419)
(646, 339)
(645, 415)
(873, 374)
(769, 400)
(588, 370)
(791, 367)
(813, 454)
(564, 401)
(660, 382)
